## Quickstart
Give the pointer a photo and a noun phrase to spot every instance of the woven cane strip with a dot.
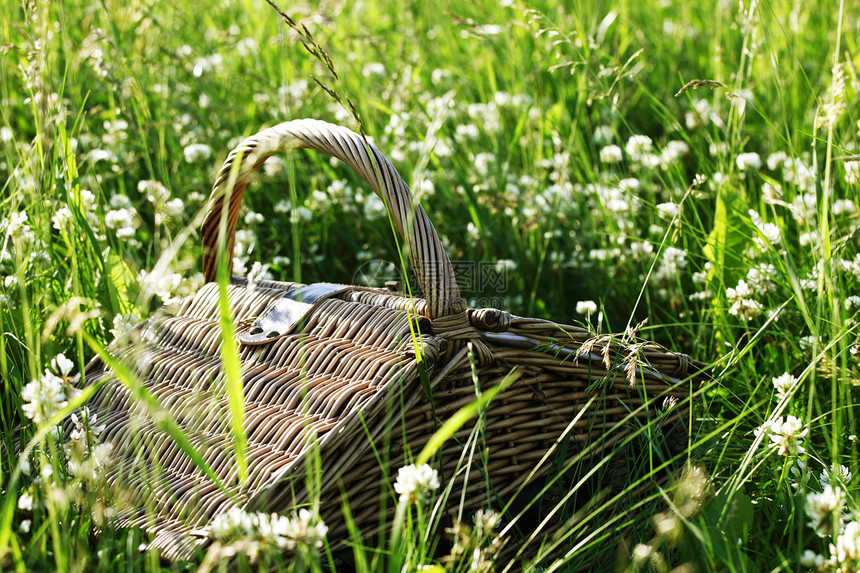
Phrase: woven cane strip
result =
(427, 256)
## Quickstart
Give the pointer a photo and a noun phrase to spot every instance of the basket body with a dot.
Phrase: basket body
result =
(345, 380)
(359, 379)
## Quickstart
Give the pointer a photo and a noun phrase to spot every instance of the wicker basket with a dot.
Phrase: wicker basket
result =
(336, 371)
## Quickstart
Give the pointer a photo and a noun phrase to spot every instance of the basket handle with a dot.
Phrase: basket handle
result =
(429, 261)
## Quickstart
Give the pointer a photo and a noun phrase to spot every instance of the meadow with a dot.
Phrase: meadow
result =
(693, 166)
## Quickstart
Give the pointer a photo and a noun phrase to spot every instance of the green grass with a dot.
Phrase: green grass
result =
(518, 102)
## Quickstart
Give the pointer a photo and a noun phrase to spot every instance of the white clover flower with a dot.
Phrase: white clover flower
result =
(808, 238)
(414, 482)
(797, 172)
(821, 508)
(373, 69)
(602, 135)
(465, 132)
(668, 210)
(760, 278)
(62, 365)
(843, 207)
(638, 146)
(299, 530)
(744, 307)
(642, 553)
(286, 533)
(234, 524)
(838, 475)
(771, 232)
(174, 207)
(119, 201)
(586, 307)
(676, 149)
(783, 384)
(611, 154)
(197, 153)
(122, 323)
(15, 223)
(776, 160)
(122, 221)
(61, 218)
(246, 47)
(700, 115)
(812, 560)
(852, 172)
(771, 192)
(787, 436)
(848, 543)
(25, 502)
(748, 161)
(43, 397)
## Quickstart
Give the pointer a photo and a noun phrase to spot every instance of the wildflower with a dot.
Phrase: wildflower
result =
(300, 530)
(197, 152)
(373, 69)
(797, 172)
(122, 221)
(787, 436)
(760, 278)
(246, 47)
(284, 532)
(25, 502)
(852, 172)
(61, 218)
(700, 115)
(16, 222)
(812, 560)
(602, 135)
(822, 508)
(213, 62)
(155, 191)
(24, 526)
(676, 150)
(638, 146)
(174, 207)
(233, 524)
(642, 553)
(838, 475)
(668, 210)
(62, 365)
(848, 543)
(43, 397)
(122, 323)
(783, 384)
(743, 306)
(843, 207)
(771, 192)
(586, 307)
(748, 161)
(770, 233)
(465, 132)
(809, 238)
(776, 160)
(413, 482)
(610, 154)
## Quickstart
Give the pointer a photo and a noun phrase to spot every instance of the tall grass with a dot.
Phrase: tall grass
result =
(546, 137)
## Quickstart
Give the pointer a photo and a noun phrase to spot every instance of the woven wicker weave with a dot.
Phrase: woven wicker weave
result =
(339, 367)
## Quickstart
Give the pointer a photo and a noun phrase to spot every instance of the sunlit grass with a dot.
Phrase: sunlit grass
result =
(549, 141)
